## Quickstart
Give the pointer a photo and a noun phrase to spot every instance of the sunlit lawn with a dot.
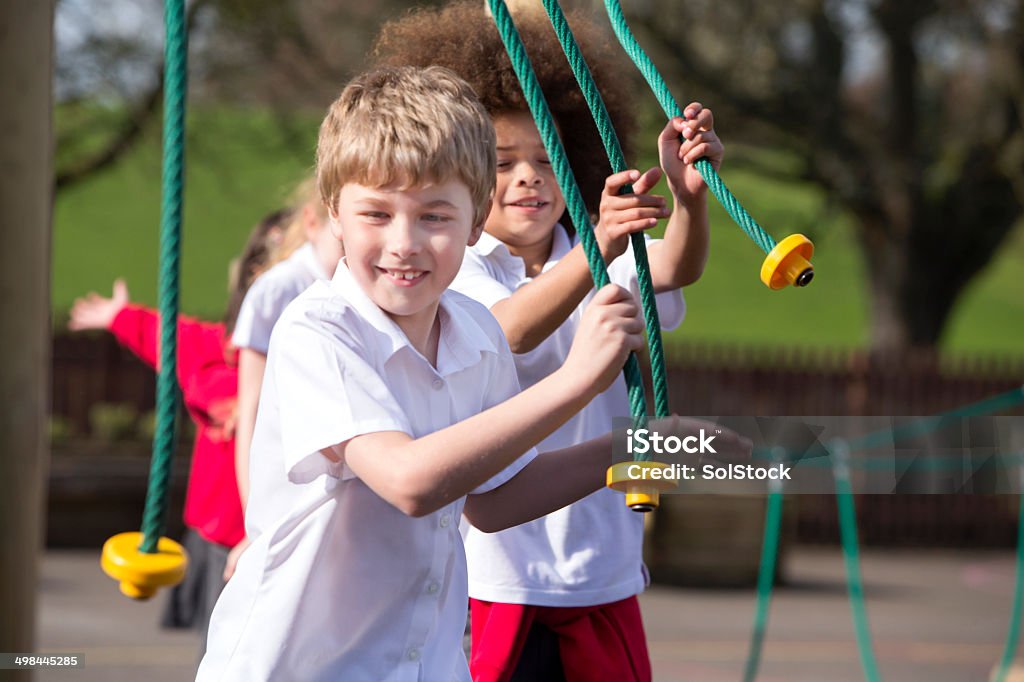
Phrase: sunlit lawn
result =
(241, 167)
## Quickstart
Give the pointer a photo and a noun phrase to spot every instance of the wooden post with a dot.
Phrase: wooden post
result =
(26, 197)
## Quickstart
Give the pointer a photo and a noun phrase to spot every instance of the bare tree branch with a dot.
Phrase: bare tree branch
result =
(129, 131)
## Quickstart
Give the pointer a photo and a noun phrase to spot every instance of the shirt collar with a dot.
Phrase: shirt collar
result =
(461, 341)
(488, 245)
(561, 245)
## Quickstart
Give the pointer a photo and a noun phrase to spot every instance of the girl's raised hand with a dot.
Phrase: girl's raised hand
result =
(678, 155)
(98, 312)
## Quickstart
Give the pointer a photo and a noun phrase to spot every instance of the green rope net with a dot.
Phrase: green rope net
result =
(848, 538)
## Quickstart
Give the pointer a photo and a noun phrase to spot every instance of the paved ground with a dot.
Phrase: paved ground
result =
(935, 616)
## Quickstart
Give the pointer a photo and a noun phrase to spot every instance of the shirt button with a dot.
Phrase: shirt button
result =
(438, 384)
(445, 520)
(414, 654)
(433, 587)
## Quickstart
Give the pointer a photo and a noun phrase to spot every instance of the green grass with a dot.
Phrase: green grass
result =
(240, 166)
(238, 169)
(729, 303)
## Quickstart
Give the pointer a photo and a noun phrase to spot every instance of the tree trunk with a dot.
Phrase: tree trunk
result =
(26, 181)
(923, 250)
(886, 270)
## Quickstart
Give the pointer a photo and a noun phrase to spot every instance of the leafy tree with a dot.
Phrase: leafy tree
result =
(282, 55)
(908, 114)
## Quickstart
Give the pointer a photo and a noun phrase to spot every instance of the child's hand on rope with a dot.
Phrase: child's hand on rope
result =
(683, 142)
(622, 215)
(610, 328)
(98, 312)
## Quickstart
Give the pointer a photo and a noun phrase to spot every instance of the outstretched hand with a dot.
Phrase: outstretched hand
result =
(98, 312)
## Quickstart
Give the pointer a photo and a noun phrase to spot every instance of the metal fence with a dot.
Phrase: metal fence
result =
(729, 381)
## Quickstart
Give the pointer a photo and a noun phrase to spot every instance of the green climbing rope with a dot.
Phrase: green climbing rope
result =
(672, 110)
(154, 518)
(617, 159)
(848, 538)
(1013, 631)
(765, 578)
(567, 182)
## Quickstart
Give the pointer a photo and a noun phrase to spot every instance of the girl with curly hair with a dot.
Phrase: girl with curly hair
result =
(555, 598)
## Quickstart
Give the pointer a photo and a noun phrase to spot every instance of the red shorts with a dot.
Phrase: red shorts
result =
(603, 642)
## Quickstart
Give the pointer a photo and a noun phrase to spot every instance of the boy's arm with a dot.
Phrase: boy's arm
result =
(548, 483)
(678, 260)
(560, 477)
(419, 476)
(533, 312)
(251, 365)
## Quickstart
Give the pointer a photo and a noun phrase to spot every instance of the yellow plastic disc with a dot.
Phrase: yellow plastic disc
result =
(141, 574)
(637, 480)
(789, 263)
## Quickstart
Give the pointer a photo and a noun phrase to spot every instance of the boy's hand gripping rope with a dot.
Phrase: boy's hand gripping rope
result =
(786, 263)
(144, 562)
(640, 495)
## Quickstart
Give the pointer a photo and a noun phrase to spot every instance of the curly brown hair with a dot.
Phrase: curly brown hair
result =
(462, 37)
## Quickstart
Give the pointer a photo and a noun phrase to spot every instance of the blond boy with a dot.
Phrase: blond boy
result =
(388, 399)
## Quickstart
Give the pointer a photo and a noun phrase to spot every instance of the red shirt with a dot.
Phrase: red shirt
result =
(208, 375)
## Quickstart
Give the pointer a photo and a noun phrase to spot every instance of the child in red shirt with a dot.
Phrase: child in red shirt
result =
(207, 371)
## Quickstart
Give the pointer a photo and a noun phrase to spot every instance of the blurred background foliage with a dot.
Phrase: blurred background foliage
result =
(890, 132)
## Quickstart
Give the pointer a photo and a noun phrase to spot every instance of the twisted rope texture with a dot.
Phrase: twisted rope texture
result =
(671, 109)
(617, 159)
(154, 518)
(567, 182)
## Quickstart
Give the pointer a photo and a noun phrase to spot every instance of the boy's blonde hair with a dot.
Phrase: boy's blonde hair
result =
(407, 126)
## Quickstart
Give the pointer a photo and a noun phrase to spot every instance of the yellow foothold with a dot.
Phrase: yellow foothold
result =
(789, 263)
(642, 482)
(139, 573)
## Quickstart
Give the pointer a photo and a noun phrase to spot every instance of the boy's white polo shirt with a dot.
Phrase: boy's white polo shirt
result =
(338, 584)
(591, 551)
(268, 296)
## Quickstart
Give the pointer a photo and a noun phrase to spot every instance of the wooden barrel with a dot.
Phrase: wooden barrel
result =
(712, 540)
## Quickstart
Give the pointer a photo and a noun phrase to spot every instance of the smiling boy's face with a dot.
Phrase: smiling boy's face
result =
(405, 246)
(527, 201)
